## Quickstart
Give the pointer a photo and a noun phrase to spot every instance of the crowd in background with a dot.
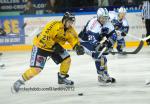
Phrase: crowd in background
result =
(54, 6)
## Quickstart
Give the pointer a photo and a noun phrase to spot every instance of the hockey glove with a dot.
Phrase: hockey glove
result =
(79, 50)
(58, 48)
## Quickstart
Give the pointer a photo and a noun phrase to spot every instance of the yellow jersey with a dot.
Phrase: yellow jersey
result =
(53, 33)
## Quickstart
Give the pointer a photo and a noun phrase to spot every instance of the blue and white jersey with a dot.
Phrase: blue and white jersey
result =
(121, 24)
(94, 31)
(114, 16)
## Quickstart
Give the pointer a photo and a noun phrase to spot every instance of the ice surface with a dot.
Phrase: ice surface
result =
(131, 71)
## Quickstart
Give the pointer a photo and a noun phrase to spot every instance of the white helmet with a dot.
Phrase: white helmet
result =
(102, 12)
(122, 10)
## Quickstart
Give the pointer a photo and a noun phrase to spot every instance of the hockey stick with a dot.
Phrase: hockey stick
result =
(134, 37)
(137, 49)
(101, 53)
(132, 52)
(139, 46)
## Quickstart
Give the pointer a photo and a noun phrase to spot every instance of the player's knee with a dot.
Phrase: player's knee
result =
(31, 73)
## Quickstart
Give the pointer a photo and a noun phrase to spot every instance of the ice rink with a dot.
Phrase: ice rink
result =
(131, 71)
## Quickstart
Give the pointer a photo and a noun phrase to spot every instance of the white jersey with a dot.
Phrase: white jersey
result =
(94, 32)
(124, 23)
(114, 15)
(95, 27)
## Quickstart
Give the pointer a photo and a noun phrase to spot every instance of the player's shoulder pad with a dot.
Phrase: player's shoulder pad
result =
(93, 25)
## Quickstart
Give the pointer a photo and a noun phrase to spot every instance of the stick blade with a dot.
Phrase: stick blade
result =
(137, 50)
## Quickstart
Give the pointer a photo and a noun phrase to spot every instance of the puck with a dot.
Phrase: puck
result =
(80, 94)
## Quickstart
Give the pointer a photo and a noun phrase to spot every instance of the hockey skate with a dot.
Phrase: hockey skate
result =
(62, 80)
(105, 79)
(16, 86)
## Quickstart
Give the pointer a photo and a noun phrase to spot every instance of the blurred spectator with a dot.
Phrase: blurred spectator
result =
(69, 4)
(29, 9)
(59, 4)
(130, 2)
(50, 6)
(87, 3)
(111, 2)
(103, 3)
(138, 2)
(119, 2)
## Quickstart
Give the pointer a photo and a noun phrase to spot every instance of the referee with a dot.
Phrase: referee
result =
(146, 17)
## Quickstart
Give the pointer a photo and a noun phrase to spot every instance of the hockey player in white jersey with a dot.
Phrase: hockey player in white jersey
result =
(121, 26)
(99, 29)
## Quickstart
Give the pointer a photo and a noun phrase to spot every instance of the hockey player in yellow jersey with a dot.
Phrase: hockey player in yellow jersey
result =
(49, 43)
